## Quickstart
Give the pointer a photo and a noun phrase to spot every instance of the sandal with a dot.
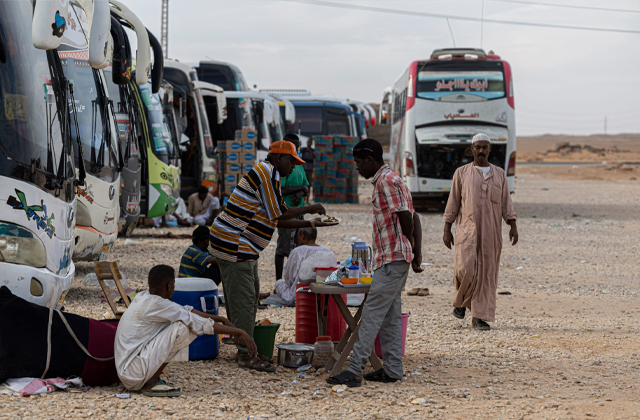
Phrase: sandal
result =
(380, 376)
(480, 325)
(423, 292)
(161, 389)
(345, 378)
(459, 312)
(413, 292)
(256, 363)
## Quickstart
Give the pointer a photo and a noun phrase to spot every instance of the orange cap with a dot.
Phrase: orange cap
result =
(284, 147)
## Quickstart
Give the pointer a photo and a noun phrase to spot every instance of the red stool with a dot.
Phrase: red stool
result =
(307, 321)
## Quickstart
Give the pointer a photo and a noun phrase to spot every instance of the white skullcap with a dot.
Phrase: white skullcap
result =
(480, 137)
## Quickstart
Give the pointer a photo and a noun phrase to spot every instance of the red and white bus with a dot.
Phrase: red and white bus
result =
(437, 106)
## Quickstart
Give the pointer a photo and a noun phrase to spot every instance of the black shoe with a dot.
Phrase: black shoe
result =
(380, 376)
(481, 325)
(459, 312)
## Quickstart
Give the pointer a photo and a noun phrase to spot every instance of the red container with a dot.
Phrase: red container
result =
(307, 318)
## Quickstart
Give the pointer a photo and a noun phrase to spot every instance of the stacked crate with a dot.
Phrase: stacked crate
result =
(237, 157)
(335, 175)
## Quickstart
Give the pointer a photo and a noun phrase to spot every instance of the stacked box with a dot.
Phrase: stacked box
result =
(335, 177)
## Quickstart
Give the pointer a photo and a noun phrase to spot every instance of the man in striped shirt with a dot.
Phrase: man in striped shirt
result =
(244, 229)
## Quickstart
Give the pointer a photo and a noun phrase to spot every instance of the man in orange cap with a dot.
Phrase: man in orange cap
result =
(244, 229)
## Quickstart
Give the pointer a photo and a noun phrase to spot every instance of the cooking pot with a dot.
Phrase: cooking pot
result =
(294, 355)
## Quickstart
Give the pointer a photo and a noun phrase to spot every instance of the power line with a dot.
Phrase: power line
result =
(568, 6)
(443, 16)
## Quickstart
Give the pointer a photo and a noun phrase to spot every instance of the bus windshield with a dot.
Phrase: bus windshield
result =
(445, 81)
(90, 103)
(159, 132)
(29, 124)
(308, 120)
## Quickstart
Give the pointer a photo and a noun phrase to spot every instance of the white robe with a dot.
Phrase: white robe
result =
(286, 288)
(150, 333)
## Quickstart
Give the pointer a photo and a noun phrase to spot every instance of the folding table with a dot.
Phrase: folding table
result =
(350, 336)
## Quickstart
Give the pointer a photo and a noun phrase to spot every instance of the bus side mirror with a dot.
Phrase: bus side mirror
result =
(121, 61)
(49, 23)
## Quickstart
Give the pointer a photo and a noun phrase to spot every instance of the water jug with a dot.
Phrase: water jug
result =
(361, 254)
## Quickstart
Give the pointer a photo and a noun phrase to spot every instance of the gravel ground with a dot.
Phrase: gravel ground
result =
(565, 344)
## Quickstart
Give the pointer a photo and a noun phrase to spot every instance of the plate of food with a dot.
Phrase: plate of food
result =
(330, 220)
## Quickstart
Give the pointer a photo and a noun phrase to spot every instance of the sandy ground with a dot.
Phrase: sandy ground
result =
(565, 345)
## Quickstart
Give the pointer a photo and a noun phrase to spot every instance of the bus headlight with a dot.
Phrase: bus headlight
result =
(20, 246)
(166, 189)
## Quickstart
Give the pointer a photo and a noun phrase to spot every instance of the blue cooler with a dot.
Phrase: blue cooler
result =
(202, 294)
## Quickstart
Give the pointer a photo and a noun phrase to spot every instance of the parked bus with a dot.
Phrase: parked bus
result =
(437, 106)
(198, 159)
(38, 172)
(226, 75)
(98, 209)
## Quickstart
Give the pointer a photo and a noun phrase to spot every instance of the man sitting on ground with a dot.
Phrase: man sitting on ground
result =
(196, 260)
(308, 255)
(203, 207)
(154, 329)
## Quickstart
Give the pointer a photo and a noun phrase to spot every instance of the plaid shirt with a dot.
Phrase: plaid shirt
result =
(390, 195)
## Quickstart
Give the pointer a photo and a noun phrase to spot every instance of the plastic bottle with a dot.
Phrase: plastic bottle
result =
(354, 271)
(322, 351)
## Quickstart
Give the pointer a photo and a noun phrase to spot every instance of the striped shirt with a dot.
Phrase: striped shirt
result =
(194, 262)
(390, 195)
(246, 225)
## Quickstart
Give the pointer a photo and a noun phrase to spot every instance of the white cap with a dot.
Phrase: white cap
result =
(480, 137)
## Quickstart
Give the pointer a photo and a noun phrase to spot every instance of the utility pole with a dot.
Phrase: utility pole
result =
(164, 28)
(605, 126)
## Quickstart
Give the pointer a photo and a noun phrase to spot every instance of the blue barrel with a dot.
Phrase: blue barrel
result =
(202, 294)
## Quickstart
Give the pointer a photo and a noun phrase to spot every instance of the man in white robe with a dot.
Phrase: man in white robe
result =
(154, 329)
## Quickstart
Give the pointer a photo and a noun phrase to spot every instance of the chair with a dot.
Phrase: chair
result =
(106, 270)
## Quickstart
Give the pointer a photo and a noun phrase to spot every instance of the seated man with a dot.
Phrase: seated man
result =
(196, 260)
(203, 207)
(307, 254)
(154, 329)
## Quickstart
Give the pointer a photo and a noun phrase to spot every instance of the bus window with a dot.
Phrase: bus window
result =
(454, 82)
(336, 122)
(308, 120)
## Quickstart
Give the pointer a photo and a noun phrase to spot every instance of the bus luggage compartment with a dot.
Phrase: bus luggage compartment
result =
(440, 161)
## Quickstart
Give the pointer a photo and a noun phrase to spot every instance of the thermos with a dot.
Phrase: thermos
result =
(361, 255)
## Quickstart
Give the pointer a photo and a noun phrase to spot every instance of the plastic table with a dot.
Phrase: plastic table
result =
(350, 336)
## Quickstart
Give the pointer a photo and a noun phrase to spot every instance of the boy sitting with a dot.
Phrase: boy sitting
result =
(154, 329)
(196, 260)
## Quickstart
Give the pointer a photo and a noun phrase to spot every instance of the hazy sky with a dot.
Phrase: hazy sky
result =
(566, 81)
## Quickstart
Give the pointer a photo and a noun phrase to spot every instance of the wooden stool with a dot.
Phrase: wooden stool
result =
(109, 271)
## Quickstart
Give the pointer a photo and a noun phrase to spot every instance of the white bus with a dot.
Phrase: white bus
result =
(435, 108)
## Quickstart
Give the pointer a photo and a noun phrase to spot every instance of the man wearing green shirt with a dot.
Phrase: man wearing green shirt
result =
(294, 189)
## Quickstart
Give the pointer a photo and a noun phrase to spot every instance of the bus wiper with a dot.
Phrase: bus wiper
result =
(113, 112)
(81, 169)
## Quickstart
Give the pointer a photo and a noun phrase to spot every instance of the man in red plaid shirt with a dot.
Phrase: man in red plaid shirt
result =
(397, 243)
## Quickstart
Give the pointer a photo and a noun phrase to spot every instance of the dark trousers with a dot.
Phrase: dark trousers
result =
(213, 273)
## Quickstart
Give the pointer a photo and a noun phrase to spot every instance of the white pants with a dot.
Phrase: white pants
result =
(161, 349)
(202, 219)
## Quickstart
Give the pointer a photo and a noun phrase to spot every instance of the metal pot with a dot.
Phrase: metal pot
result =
(294, 355)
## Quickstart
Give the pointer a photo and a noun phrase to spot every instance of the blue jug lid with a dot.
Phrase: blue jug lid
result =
(360, 245)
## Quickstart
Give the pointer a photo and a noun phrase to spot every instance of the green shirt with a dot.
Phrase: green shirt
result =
(296, 179)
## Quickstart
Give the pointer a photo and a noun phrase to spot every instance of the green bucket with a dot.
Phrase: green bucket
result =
(265, 338)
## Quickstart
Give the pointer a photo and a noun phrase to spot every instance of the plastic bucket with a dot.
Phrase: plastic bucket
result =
(265, 338)
(405, 324)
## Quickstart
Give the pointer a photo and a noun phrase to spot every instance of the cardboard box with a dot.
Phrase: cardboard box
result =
(249, 146)
(232, 146)
(247, 167)
(232, 169)
(228, 189)
(230, 180)
(248, 135)
(247, 158)
(233, 157)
